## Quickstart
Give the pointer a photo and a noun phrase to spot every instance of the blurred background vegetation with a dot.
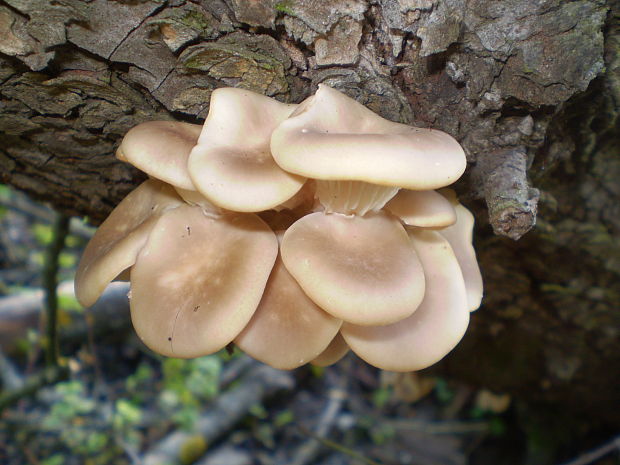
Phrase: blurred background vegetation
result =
(103, 398)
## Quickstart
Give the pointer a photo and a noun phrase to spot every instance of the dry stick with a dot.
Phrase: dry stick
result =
(50, 283)
(593, 455)
(336, 396)
(32, 385)
(9, 376)
(229, 408)
(340, 448)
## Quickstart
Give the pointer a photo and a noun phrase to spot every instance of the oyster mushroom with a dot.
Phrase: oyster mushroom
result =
(161, 149)
(352, 259)
(231, 165)
(115, 245)
(287, 329)
(435, 328)
(460, 237)
(422, 209)
(199, 279)
(335, 351)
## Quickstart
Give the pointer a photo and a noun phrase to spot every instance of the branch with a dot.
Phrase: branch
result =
(32, 385)
(593, 455)
(50, 283)
(229, 408)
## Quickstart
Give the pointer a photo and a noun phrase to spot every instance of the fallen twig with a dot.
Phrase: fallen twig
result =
(336, 395)
(595, 454)
(32, 385)
(19, 313)
(230, 407)
(9, 376)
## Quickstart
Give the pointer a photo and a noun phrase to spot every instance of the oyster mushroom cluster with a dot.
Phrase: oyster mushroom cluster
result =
(296, 232)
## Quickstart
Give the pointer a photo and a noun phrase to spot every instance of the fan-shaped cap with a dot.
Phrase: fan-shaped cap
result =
(161, 149)
(460, 237)
(358, 269)
(198, 280)
(232, 164)
(287, 329)
(434, 329)
(120, 237)
(192, 197)
(423, 209)
(332, 137)
(336, 349)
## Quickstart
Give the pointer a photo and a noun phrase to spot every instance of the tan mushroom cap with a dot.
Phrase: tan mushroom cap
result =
(287, 329)
(423, 209)
(161, 149)
(434, 329)
(460, 237)
(359, 269)
(120, 237)
(332, 137)
(198, 280)
(334, 352)
(232, 164)
(192, 197)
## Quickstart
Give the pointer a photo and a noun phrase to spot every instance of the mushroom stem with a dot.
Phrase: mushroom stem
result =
(353, 197)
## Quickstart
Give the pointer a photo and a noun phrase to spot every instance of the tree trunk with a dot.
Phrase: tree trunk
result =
(530, 89)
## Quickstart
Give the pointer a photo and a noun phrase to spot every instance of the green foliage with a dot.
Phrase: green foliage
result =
(67, 260)
(137, 384)
(317, 371)
(443, 392)
(259, 411)
(381, 433)
(70, 418)
(187, 384)
(69, 303)
(381, 396)
(56, 459)
(42, 233)
(284, 418)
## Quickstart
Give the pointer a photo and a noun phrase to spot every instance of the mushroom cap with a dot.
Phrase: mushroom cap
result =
(193, 197)
(198, 280)
(232, 164)
(359, 269)
(460, 237)
(287, 329)
(120, 237)
(336, 349)
(332, 137)
(437, 325)
(424, 209)
(161, 149)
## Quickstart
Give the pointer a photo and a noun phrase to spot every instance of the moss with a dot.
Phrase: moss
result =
(196, 20)
(285, 6)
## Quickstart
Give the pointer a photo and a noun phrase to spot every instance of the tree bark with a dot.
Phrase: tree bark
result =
(530, 89)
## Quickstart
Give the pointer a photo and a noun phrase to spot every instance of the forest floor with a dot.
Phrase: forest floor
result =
(107, 399)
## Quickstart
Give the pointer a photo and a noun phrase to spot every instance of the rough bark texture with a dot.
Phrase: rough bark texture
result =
(530, 88)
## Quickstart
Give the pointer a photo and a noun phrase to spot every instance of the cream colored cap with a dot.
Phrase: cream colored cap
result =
(332, 137)
(359, 269)
(423, 209)
(288, 329)
(198, 280)
(120, 237)
(232, 164)
(434, 329)
(161, 149)
(460, 237)
(335, 351)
